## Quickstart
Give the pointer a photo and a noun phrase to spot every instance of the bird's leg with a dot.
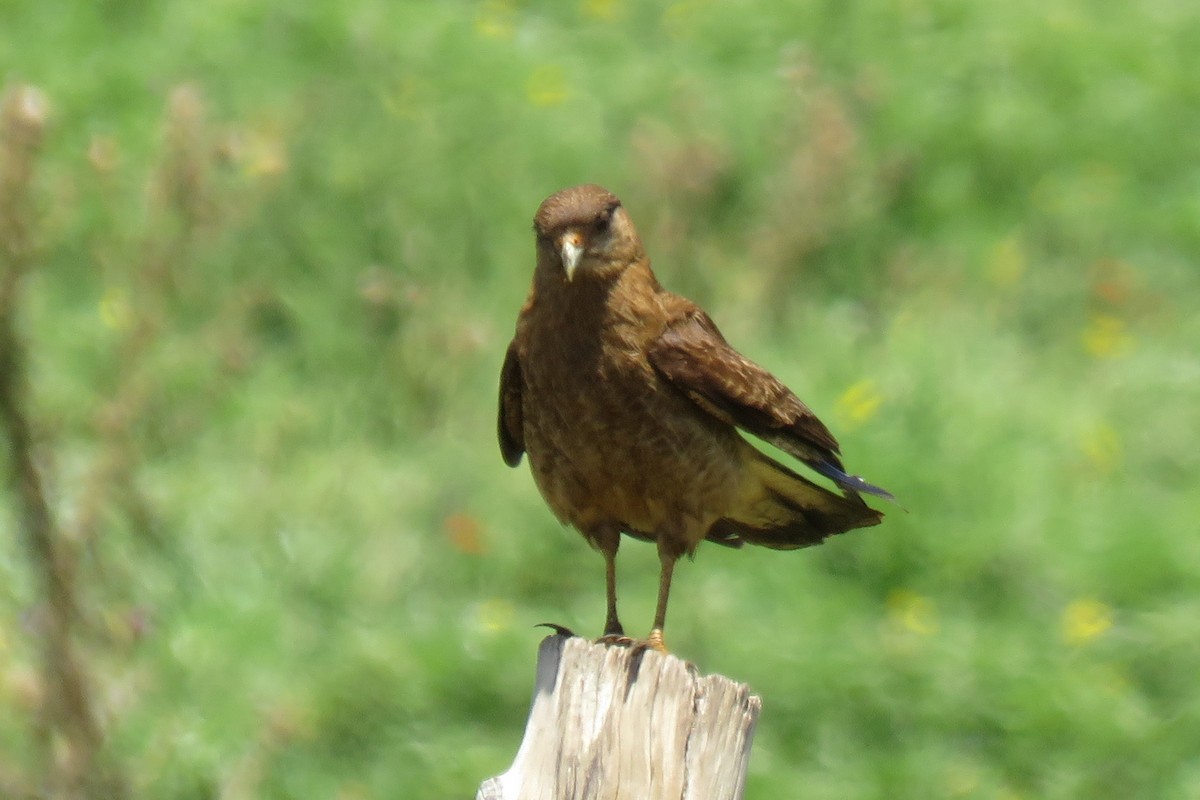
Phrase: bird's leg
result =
(612, 625)
(608, 541)
(667, 557)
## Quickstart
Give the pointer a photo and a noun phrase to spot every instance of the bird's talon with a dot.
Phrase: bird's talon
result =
(616, 640)
(560, 630)
(636, 646)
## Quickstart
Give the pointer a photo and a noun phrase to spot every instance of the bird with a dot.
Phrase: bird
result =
(631, 407)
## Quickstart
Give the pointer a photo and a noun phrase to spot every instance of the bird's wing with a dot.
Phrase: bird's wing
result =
(510, 425)
(695, 358)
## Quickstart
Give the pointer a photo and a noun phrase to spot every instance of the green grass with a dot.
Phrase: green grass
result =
(983, 216)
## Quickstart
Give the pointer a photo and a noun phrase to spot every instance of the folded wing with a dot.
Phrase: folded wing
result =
(693, 356)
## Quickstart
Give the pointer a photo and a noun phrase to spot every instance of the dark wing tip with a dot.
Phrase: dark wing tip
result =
(854, 483)
(509, 419)
(512, 457)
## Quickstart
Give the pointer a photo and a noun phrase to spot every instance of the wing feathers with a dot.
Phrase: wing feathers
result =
(693, 356)
(510, 423)
(788, 511)
(854, 482)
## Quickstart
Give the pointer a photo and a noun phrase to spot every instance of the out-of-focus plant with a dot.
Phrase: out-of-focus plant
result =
(67, 728)
(64, 522)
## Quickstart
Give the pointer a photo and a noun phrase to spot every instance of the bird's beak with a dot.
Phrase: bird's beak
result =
(571, 247)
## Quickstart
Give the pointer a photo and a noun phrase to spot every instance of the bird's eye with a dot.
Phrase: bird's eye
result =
(603, 221)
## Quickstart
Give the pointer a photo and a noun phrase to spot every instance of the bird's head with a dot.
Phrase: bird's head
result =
(583, 233)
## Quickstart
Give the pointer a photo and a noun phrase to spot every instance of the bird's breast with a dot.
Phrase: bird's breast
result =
(609, 442)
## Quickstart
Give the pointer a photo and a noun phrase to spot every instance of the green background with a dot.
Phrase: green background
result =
(280, 254)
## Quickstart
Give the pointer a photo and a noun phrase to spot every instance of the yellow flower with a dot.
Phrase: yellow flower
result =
(1006, 264)
(602, 10)
(859, 403)
(1102, 446)
(962, 779)
(115, 311)
(495, 19)
(912, 612)
(1085, 620)
(264, 155)
(1105, 336)
(495, 615)
(547, 86)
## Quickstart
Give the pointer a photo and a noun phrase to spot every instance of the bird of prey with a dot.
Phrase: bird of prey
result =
(628, 401)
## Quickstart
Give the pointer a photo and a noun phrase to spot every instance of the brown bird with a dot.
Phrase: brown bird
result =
(628, 400)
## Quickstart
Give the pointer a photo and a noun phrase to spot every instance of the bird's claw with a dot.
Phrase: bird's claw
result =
(637, 646)
(652, 642)
(616, 640)
(560, 630)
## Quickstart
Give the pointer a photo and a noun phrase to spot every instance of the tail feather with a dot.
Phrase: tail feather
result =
(785, 511)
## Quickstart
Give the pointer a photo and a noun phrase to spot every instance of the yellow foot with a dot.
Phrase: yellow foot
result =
(653, 642)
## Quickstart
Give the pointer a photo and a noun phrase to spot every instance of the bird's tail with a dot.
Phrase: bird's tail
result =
(784, 511)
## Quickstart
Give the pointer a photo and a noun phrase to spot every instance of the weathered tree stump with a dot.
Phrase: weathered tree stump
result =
(609, 722)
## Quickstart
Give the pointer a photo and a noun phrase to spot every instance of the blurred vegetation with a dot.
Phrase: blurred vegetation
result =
(277, 252)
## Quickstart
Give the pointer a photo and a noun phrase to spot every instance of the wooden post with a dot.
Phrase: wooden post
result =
(609, 722)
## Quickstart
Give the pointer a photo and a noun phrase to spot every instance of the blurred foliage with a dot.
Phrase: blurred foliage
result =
(280, 251)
